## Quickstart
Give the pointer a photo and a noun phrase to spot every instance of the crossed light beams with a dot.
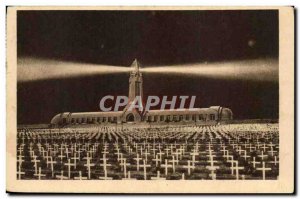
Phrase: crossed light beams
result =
(257, 70)
(32, 69)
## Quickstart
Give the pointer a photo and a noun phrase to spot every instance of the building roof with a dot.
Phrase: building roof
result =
(97, 114)
(182, 111)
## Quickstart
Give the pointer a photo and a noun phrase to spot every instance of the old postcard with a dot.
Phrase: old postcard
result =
(150, 99)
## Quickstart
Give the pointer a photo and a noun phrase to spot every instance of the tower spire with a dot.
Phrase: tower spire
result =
(135, 65)
(135, 104)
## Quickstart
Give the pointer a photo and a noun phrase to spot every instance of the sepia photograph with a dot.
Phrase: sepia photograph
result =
(174, 99)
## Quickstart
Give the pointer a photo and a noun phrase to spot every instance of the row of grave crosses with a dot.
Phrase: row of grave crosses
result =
(165, 155)
(186, 133)
(142, 152)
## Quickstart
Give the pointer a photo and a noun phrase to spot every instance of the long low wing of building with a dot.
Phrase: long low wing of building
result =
(198, 115)
(86, 118)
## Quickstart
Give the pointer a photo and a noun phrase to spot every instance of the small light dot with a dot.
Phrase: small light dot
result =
(251, 43)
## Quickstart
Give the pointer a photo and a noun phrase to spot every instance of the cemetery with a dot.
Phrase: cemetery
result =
(192, 152)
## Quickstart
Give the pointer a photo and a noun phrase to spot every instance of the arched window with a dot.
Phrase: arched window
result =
(200, 117)
(180, 117)
(193, 117)
(130, 117)
(161, 118)
(168, 118)
(89, 120)
(187, 117)
(175, 118)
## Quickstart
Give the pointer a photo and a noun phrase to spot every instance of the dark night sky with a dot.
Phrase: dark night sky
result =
(155, 38)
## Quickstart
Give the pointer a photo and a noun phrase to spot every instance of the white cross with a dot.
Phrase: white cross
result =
(181, 152)
(239, 150)
(61, 176)
(264, 147)
(160, 154)
(189, 167)
(275, 160)
(80, 177)
(75, 158)
(237, 168)
(20, 160)
(176, 154)
(87, 156)
(167, 151)
(194, 158)
(105, 177)
(250, 147)
(35, 163)
(67, 152)
(118, 153)
(245, 156)
(31, 151)
(153, 150)
(125, 144)
(23, 139)
(89, 165)
(254, 163)
(61, 156)
(271, 144)
(211, 160)
(46, 157)
(128, 177)
(20, 149)
(231, 160)
(223, 150)
(157, 177)
(105, 165)
(173, 161)
(264, 169)
(212, 169)
(105, 151)
(124, 164)
(156, 160)
(145, 169)
(40, 174)
(226, 155)
(262, 156)
(272, 151)
(69, 167)
(137, 159)
(166, 166)
(20, 173)
(146, 155)
(52, 167)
